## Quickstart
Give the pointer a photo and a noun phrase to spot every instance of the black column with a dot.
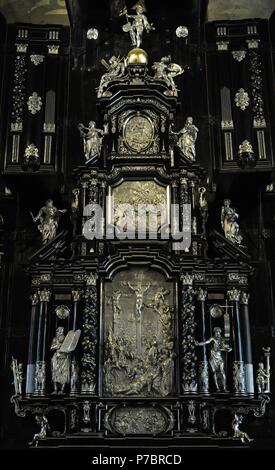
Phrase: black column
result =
(239, 381)
(247, 347)
(32, 344)
(203, 364)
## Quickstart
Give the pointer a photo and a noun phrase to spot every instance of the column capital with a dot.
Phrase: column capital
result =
(244, 298)
(187, 279)
(201, 294)
(44, 295)
(234, 294)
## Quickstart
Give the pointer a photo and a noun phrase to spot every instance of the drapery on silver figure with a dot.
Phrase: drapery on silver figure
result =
(48, 217)
(42, 434)
(238, 419)
(186, 139)
(167, 71)
(262, 378)
(61, 360)
(115, 70)
(92, 139)
(139, 291)
(139, 24)
(218, 346)
(18, 376)
(229, 223)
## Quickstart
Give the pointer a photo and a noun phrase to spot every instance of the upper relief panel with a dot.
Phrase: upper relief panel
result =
(239, 9)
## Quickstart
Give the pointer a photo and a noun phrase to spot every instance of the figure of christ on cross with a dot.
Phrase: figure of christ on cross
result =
(139, 290)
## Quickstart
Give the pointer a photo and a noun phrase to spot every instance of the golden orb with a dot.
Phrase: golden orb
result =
(137, 56)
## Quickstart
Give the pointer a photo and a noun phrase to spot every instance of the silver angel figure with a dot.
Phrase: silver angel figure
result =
(48, 217)
(262, 378)
(61, 359)
(137, 26)
(243, 436)
(229, 223)
(167, 71)
(115, 70)
(218, 346)
(92, 139)
(187, 137)
(42, 434)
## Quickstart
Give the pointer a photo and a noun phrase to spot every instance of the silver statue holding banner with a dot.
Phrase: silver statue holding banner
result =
(92, 140)
(138, 25)
(62, 346)
(48, 217)
(218, 346)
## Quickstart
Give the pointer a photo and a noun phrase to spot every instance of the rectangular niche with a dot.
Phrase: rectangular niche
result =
(139, 334)
(133, 201)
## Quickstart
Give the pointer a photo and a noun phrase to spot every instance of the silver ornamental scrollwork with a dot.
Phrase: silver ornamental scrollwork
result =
(189, 358)
(37, 59)
(242, 99)
(89, 343)
(239, 56)
(256, 78)
(19, 89)
(245, 147)
(34, 103)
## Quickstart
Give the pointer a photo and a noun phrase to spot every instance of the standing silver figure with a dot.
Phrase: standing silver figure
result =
(229, 223)
(262, 378)
(61, 360)
(42, 434)
(216, 360)
(238, 419)
(167, 71)
(48, 217)
(92, 139)
(18, 376)
(187, 137)
(203, 208)
(115, 70)
(139, 24)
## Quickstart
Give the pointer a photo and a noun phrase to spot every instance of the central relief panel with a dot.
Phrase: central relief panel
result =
(139, 331)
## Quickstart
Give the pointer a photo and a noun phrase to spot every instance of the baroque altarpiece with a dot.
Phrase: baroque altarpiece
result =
(136, 333)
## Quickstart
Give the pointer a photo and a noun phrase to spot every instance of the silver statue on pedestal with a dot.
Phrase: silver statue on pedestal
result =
(229, 223)
(48, 217)
(115, 70)
(243, 436)
(219, 345)
(61, 360)
(92, 139)
(167, 71)
(138, 25)
(186, 139)
(261, 378)
(42, 434)
(18, 376)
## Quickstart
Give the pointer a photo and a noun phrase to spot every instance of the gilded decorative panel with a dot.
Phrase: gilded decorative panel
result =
(139, 334)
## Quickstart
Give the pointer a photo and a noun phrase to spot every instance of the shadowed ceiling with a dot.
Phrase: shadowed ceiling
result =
(55, 11)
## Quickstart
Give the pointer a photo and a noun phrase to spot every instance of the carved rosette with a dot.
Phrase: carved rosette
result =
(90, 340)
(188, 326)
